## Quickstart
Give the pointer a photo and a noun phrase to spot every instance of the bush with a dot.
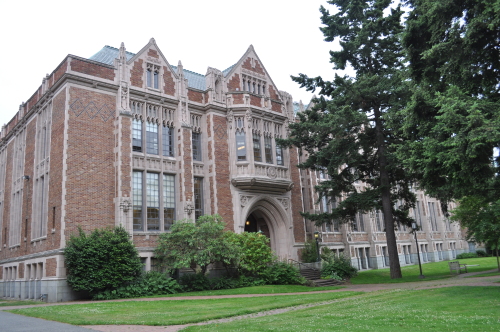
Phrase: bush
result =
(338, 266)
(192, 282)
(481, 253)
(467, 255)
(309, 254)
(282, 273)
(150, 283)
(254, 252)
(105, 259)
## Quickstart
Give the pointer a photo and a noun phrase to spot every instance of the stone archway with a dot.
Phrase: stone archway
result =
(267, 216)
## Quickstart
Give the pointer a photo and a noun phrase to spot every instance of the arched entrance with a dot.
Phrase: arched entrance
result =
(268, 216)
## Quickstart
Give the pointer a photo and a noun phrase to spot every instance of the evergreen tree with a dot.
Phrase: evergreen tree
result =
(350, 132)
(453, 119)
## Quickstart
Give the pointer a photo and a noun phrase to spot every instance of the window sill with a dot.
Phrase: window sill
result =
(39, 239)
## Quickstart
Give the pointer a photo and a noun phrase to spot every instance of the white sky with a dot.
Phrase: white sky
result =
(37, 35)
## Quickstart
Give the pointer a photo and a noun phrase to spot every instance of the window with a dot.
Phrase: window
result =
(241, 150)
(358, 224)
(137, 135)
(156, 197)
(268, 147)
(379, 220)
(151, 138)
(432, 216)
(198, 197)
(196, 137)
(279, 155)
(152, 76)
(18, 183)
(168, 141)
(417, 214)
(257, 152)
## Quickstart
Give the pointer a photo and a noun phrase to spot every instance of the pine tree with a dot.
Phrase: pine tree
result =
(351, 131)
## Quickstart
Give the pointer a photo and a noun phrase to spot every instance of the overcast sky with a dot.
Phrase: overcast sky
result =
(37, 35)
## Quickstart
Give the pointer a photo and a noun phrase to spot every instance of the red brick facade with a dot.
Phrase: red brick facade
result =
(92, 69)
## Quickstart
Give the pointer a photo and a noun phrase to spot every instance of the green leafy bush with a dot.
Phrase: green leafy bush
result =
(467, 255)
(309, 254)
(104, 259)
(481, 253)
(150, 283)
(192, 282)
(254, 252)
(282, 273)
(338, 266)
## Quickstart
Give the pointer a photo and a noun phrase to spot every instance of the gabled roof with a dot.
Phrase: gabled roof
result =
(108, 54)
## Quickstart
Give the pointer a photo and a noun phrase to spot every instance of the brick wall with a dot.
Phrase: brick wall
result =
(258, 68)
(153, 53)
(50, 267)
(222, 171)
(195, 96)
(20, 270)
(276, 107)
(136, 74)
(28, 188)
(234, 83)
(92, 69)
(90, 161)
(126, 160)
(255, 101)
(238, 98)
(169, 82)
(272, 93)
(59, 72)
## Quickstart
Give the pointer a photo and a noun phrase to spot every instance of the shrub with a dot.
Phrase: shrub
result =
(150, 283)
(338, 266)
(281, 273)
(309, 254)
(467, 255)
(255, 253)
(104, 259)
(481, 253)
(192, 282)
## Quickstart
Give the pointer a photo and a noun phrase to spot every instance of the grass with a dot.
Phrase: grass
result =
(170, 312)
(431, 271)
(267, 289)
(8, 303)
(490, 274)
(444, 309)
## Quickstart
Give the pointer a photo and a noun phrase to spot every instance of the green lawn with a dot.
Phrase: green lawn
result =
(8, 303)
(170, 312)
(431, 271)
(267, 289)
(445, 309)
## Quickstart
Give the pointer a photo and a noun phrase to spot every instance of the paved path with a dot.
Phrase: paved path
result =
(17, 323)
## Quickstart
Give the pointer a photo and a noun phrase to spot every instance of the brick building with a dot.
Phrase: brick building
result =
(129, 139)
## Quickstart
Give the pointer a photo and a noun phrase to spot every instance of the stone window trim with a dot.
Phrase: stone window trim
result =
(253, 85)
(198, 197)
(152, 76)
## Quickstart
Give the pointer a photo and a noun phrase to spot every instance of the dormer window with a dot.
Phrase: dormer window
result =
(152, 76)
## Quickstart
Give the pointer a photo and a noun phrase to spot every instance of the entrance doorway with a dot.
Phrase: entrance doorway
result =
(256, 223)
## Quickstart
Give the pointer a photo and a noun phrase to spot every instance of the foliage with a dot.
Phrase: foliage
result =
(481, 253)
(254, 250)
(191, 282)
(104, 259)
(199, 244)
(452, 123)
(309, 254)
(351, 130)
(481, 218)
(467, 255)
(150, 283)
(338, 266)
(282, 273)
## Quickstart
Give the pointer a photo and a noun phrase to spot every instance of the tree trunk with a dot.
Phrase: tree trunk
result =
(498, 262)
(385, 190)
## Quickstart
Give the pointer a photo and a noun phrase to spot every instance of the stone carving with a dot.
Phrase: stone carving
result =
(248, 115)
(92, 110)
(284, 202)
(124, 95)
(125, 205)
(271, 172)
(244, 200)
(230, 118)
(189, 208)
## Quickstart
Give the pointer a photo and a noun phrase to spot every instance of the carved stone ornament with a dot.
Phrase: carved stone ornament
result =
(189, 208)
(284, 202)
(271, 172)
(125, 205)
(230, 117)
(249, 118)
(244, 200)
(124, 95)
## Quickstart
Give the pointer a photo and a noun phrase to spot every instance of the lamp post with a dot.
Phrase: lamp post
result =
(414, 227)
(316, 237)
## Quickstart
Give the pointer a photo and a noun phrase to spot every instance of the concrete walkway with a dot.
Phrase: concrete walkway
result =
(17, 323)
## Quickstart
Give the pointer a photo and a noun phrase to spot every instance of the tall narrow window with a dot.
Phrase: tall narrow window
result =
(149, 77)
(268, 147)
(156, 74)
(241, 150)
(151, 138)
(168, 141)
(198, 197)
(257, 151)
(137, 135)
(153, 201)
(196, 137)
(137, 201)
(279, 155)
(168, 201)
(379, 220)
